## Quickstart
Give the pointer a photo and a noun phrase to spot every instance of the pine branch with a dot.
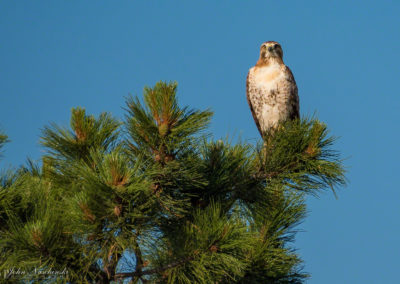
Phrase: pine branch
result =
(3, 140)
(298, 154)
(157, 270)
(160, 128)
(138, 255)
(112, 261)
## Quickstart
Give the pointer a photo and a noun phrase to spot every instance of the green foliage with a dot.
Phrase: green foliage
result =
(163, 203)
(212, 247)
(161, 130)
(299, 155)
(3, 140)
(86, 133)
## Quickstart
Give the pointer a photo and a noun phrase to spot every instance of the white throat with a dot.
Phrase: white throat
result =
(266, 76)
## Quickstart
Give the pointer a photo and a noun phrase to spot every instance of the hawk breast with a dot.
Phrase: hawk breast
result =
(272, 95)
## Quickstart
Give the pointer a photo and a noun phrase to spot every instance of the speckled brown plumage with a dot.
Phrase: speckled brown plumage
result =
(271, 89)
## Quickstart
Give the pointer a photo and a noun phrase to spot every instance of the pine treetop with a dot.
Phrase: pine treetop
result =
(154, 199)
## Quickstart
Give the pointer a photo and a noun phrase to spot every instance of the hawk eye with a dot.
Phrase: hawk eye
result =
(276, 45)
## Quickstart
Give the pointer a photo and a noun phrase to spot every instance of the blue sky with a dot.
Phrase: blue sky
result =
(55, 55)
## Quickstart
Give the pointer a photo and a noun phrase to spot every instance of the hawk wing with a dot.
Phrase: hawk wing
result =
(251, 105)
(293, 94)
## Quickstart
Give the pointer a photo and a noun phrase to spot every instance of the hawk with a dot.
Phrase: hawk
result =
(271, 89)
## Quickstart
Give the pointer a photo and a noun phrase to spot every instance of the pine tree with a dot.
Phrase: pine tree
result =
(153, 199)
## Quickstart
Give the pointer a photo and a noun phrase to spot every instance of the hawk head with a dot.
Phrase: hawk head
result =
(271, 50)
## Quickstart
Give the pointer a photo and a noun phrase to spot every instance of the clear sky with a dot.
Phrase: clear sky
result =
(55, 55)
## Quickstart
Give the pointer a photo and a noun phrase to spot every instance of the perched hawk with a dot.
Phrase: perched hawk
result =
(271, 89)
